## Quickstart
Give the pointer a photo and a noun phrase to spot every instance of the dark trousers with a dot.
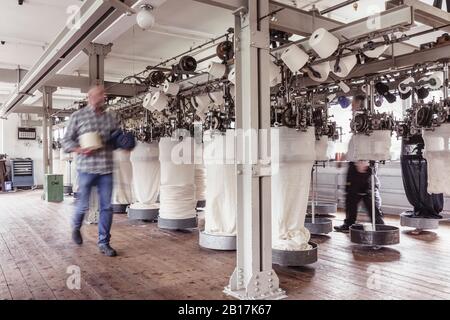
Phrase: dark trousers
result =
(104, 184)
(352, 201)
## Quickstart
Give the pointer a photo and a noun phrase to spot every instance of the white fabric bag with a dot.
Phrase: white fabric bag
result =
(123, 178)
(291, 178)
(437, 153)
(221, 187)
(146, 173)
(177, 196)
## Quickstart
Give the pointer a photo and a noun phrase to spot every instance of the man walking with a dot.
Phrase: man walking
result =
(95, 167)
(358, 187)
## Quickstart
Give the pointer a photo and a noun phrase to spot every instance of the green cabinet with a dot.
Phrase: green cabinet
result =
(54, 188)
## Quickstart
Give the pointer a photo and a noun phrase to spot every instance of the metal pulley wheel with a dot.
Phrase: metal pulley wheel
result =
(225, 50)
(157, 78)
(188, 64)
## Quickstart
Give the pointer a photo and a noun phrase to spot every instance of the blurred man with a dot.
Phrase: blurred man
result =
(95, 168)
(358, 187)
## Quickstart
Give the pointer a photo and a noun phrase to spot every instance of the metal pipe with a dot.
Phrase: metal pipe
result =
(374, 225)
(45, 139)
(371, 88)
(338, 6)
(445, 86)
(313, 197)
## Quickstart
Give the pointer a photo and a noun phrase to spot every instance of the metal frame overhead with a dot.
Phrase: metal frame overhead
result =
(424, 13)
(395, 18)
(95, 17)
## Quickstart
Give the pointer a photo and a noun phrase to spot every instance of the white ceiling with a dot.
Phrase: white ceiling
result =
(181, 24)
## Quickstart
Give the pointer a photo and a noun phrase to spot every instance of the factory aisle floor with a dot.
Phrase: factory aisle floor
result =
(37, 258)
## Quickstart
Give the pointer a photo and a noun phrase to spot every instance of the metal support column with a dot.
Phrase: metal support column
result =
(446, 80)
(97, 53)
(253, 277)
(47, 128)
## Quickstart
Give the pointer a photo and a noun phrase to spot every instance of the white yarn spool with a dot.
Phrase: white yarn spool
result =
(91, 141)
(216, 70)
(291, 177)
(171, 88)
(232, 76)
(294, 58)
(159, 101)
(146, 172)
(323, 43)
(147, 102)
(346, 64)
(323, 69)
(177, 195)
(123, 178)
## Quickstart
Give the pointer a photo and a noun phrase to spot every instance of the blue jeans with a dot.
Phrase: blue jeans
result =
(104, 184)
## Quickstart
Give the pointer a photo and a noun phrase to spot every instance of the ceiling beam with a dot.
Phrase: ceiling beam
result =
(225, 4)
(297, 21)
(39, 110)
(399, 17)
(182, 33)
(95, 17)
(12, 75)
(424, 13)
(289, 19)
(79, 82)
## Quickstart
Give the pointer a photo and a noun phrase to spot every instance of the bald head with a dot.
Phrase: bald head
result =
(96, 97)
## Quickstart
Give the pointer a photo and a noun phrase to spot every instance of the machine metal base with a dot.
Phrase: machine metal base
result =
(241, 294)
(407, 219)
(295, 258)
(177, 224)
(323, 208)
(321, 226)
(217, 242)
(120, 208)
(68, 190)
(143, 214)
(383, 236)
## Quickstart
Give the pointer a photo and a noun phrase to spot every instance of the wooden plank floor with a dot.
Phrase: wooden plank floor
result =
(36, 252)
